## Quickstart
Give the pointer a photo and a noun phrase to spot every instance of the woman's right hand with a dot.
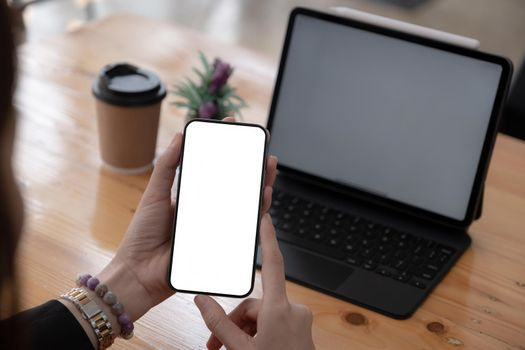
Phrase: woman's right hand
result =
(277, 323)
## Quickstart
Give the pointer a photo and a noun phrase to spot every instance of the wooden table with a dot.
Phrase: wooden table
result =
(76, 212)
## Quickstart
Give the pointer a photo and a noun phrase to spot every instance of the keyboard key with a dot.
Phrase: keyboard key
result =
(318, 237)
(353, 261)
(428, 275)
(367, 253)
(446, 250)
(286, 226)
(351, 237)
(418, 284)
(280, 195)
(334, 233)
(337, 223)
(384, 258)
(369, 265)
(417, 261)
(366, 243)
(370, 234)
(333, 242)
(302, 231)
(402, 277)
(385, 239)
(400, 264)
(432, 267)
(442, 259)
(325, 210)
(310, 245)
(430, 244)
(351, 248)
(418, 250)
(382, 248)
(401, 244)
(340, 216)
(401, 254)
(319, 228)
(383, 271)
(322, 218)
(432, 254)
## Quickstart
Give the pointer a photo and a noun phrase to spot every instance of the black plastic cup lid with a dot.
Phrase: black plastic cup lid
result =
(124, 84)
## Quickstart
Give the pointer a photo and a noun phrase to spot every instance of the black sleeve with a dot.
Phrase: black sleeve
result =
(50, 326)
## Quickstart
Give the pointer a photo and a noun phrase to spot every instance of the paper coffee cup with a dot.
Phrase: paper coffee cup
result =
(128, 102)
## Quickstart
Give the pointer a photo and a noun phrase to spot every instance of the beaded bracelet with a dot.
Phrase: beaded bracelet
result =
(110, 299)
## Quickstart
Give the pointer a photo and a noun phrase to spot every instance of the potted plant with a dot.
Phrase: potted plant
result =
(212, 97)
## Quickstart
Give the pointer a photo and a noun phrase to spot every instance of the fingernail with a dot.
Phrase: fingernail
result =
(200, 301)
(275, 158)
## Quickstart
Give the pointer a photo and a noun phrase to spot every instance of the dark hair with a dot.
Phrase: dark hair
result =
(7, 237)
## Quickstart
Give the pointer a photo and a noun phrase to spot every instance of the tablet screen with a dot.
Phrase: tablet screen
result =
(397, 119)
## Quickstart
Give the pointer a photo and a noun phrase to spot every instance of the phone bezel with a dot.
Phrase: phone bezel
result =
(261, 198)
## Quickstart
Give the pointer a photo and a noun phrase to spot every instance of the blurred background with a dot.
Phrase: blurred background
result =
(260, 24)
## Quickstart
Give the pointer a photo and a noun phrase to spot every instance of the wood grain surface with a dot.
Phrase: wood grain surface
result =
(77, 212)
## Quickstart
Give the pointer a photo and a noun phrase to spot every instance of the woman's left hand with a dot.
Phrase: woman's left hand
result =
(138, 274)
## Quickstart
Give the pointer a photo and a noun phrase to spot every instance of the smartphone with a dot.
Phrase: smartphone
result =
(218, 211)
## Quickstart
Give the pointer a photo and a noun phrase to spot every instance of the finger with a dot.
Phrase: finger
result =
(267, 199)
(250, 329)
(220, 325)
(271, 170)
(244, 316)
(229, 119)
(273, 280)
(161, 181)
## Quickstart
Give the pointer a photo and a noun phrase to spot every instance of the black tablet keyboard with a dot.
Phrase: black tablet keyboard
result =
(357, 241)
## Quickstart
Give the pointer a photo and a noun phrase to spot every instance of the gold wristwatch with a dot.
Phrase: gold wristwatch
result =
(92, 313)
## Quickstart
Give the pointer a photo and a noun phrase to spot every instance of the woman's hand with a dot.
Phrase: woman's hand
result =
(277, 323)
(138, 274)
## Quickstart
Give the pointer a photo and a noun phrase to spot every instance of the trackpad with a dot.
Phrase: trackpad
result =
(312, 269)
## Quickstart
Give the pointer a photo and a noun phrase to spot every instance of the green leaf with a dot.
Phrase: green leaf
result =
(200, 74)
(183, 105)
(205, 62)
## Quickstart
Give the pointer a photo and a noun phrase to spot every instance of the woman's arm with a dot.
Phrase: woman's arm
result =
(49, 326)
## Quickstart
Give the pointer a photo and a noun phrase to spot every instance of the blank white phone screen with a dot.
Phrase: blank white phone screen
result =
(218, 208)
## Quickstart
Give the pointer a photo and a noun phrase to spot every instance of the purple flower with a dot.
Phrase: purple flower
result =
(207, 110)
(221, 73)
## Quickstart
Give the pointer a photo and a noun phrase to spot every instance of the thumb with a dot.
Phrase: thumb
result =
(220, 324)
(161, 181)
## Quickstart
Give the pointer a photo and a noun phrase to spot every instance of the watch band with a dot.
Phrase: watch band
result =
(92, 312)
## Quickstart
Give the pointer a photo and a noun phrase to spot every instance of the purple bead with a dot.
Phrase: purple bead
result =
(92, 283)
(127, 328)
(110, 298)
(82, 279)
(117, 309)
(124, 319)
